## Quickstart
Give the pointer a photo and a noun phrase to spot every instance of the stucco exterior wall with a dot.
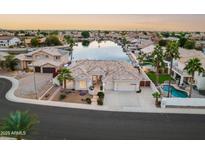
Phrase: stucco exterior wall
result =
(200, 81)
(109, 85)
(77, 85)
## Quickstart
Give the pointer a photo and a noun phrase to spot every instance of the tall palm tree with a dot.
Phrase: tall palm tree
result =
(19, 124)
(158, 60)
(193, 65)
(65, 74)
(72, 43)
(141, 58)
(172, 52)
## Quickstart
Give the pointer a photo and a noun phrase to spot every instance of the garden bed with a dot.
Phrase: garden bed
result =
(72, 96)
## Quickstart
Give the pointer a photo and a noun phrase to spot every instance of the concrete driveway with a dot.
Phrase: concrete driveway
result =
(130, 100)
(26, 85)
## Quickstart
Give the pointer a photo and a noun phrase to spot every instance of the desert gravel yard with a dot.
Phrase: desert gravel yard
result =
(26, 85)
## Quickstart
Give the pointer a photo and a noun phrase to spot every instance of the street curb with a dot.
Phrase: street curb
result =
(11, 97)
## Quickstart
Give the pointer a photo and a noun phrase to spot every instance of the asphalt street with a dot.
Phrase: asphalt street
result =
(68, 123)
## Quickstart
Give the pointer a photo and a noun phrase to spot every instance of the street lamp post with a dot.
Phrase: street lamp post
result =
(34, 81)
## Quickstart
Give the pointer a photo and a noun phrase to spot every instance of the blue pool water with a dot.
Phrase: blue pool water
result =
(174, 92)
(105, 50)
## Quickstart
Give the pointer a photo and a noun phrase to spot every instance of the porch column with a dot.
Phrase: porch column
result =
(181, 80)
(175, 74)
(137, 86)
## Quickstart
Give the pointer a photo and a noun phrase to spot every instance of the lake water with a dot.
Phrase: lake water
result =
(105, 50)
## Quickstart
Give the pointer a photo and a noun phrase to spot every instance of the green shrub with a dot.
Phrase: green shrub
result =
(62, 96)
(101, 87)
(88, 100)
(101, 94)
(100, 101)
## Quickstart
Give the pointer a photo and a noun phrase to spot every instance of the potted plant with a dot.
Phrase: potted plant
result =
(156, 95)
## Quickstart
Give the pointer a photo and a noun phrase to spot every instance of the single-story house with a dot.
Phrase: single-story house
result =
(110, 75)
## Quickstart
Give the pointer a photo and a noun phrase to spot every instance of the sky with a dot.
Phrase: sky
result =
(104, 22)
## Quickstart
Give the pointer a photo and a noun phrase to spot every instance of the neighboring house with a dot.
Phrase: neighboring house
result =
(7, 41)
(171, 38)
(44, 60)
(148, 50)
(109, 75)
(141, 43)
(41, 41)
(181, 74)
(178, 66)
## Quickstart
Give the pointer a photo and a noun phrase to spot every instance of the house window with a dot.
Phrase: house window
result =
(82, 84)
(57, 57)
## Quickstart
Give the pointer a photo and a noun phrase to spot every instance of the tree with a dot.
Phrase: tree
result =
(189, 44)
(35, 42)
(141, 58)
(158, 60)
(10, 62)
(85, 34)
(1, 63)
(193, 65)
(124, 41)
(172, 52)
(85, 43)
(163, 43)
(52, 40)
(70, 41)
(54, 33)
(20, 123)
(182, 41)
(65, 74)
(165, 34)
(156, 95)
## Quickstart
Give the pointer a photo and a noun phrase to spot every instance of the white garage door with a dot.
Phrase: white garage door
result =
(108, 86)
(125, 86)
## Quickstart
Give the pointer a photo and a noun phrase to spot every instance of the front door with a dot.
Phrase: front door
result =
(38, 69)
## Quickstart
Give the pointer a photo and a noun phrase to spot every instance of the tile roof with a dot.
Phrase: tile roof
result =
(6, 37)
(50, 50)
(111, 70)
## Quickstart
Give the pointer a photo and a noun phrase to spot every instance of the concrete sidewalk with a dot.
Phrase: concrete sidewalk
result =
(10, 96)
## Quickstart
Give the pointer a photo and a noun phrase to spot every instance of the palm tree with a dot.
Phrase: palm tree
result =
(19, 124)
(141, 58)
(158, 60)
(156, 95)
(193, 65)
(172, 52)
(65, 74)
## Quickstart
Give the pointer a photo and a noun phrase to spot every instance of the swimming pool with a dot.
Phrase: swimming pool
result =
(174, 92)
(104, 50)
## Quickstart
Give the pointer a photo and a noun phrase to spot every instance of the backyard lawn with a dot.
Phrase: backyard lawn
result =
(162, 77)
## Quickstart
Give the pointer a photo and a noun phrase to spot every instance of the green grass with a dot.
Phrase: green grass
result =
(162, 77)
